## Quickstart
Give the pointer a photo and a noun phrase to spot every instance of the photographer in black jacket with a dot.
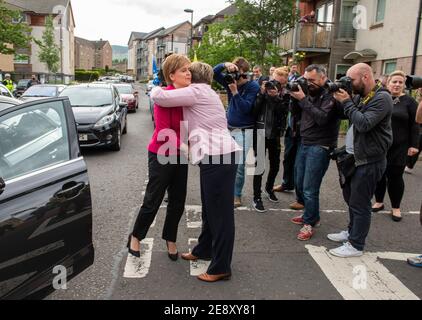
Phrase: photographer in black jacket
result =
(319, 127)
(368, 140)
(270, 111)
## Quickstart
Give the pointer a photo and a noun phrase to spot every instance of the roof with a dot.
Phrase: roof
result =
(172, 29)
(137, 36)
(39, 6)
(84, 42)
(204, 20)
(229, 11)
(153, 33)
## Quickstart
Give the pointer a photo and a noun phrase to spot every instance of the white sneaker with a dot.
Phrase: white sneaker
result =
(339, 237)
(346, 251)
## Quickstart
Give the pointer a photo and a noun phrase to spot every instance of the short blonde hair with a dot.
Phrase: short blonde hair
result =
(201, 72)
(172, 64)
(396, 73)
(282, 72)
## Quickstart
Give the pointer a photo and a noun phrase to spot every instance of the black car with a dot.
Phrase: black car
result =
(21, 87)
(100, 116)
(45, 199)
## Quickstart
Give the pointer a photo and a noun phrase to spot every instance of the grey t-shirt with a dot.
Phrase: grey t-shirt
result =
(350, 148)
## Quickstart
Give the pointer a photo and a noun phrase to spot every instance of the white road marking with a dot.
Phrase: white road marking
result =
(139, 267)
(362, 278)
(200, 266)
(193, 217)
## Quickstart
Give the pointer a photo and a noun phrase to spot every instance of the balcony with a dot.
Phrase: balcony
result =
(310, 37)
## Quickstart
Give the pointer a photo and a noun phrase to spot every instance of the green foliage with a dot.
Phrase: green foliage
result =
(86, 76)
(16, 34)
(49, 53)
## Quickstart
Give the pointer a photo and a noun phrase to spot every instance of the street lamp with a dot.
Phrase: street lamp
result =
(191, 27)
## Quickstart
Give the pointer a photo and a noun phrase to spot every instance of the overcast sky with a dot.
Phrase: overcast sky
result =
(114, 20)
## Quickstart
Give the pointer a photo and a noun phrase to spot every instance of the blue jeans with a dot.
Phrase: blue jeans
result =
(244, 139)
(311, 165)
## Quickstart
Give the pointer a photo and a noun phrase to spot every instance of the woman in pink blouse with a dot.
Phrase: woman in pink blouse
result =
(212, 147)
(166, 167)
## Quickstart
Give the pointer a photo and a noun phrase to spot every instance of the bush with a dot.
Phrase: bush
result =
(86, 76)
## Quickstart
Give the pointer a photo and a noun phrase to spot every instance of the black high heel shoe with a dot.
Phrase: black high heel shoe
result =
(136, 254)
(172, 256)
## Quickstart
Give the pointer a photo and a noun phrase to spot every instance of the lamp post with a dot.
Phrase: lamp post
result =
(191, 27)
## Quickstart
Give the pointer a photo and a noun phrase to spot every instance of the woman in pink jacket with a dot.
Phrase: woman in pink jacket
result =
(212, 147)
(167, 169)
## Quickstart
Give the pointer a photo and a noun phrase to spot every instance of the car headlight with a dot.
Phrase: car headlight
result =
(105, 121)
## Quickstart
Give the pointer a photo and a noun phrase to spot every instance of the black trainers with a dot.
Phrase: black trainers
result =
(258, 205)
(271, 196)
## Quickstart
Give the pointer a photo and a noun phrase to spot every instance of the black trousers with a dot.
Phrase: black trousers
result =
(291, 146)
(218, 231)
(162, 177)
(274, 151)
(393, 180)
(411, 161)
(358, 193)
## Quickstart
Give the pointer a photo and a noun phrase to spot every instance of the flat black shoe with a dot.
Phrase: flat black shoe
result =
(396, 219)
(374, 210)
(172, 256)
(136, 254)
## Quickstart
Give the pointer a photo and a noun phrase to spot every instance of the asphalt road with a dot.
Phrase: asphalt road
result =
(268, 263)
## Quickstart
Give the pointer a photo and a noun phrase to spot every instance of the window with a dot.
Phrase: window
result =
(33, 138)
(341, 70)
(390, 66)
(325, 12)
(380, 11)
(347, 31)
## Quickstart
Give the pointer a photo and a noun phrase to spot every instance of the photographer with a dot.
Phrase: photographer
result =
(270, 109)
(368, 139)
(319, 129)
(241, 121)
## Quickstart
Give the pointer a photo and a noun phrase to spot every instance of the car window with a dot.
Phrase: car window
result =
(88, 96)
(124, 89)
(5, 92)
(40, 91)
(33, 138)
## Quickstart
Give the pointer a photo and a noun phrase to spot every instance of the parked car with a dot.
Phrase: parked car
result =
(100, 116)
(150, 85)
(45, 199)
(21, 87)
(6, 102)
(5, 92)
(42, 91)
(128, 95)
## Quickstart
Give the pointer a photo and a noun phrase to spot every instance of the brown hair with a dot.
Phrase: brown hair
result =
(396, 73)
(201, 72)
(172, 64)
(282, 72)
(242, 63)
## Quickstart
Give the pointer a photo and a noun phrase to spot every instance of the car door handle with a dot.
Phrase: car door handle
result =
(70, 190)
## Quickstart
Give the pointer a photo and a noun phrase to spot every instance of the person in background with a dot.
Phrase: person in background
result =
(294, 72)
(417, 261)
(272, 69)
(411, 161)
(34, 81)
(405, 143)
(257, 74)
(8, 83)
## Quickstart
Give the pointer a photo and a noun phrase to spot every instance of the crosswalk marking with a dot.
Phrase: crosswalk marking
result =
(362, 278)
(200, 266)
(139, 267)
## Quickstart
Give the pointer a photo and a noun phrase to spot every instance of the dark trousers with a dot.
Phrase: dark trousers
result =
(217, 194)
(393, 180)
(291, 146)
(274, 151)
(170, 177)
(411, 161)
(358, 193)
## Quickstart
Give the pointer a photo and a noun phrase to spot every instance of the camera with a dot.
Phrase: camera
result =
(413, 82)
(232, 77)
(273, 85)
(293, 86)
(344, 83)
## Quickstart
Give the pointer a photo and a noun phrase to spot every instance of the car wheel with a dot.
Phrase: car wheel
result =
(118, 144)
(125, 129)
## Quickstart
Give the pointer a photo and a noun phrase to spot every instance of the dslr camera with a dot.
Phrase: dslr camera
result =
(344, 83)
(413, 82)
(273, 85)
(293, 86)
(232, 77)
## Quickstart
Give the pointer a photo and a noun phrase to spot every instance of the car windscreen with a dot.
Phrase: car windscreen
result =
(23, 83)
(40, 91)
(124, 89)
(88, 96)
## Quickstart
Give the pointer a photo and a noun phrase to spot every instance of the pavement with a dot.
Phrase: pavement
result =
(269, 263)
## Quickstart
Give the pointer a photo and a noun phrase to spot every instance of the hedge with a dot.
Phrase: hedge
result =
(84, 76)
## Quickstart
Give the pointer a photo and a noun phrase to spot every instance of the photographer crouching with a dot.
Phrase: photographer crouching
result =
(271, 108)
(368, 140)
(241, 121)
(319, 128)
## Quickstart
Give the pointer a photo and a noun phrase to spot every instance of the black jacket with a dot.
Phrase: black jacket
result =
(373, 135)
(271, 114)
(320, 119)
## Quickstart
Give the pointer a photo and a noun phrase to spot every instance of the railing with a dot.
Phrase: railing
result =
(308, 36)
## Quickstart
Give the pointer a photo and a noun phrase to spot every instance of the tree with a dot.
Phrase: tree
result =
(259, 22)
(12, 35)
(49, 53)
